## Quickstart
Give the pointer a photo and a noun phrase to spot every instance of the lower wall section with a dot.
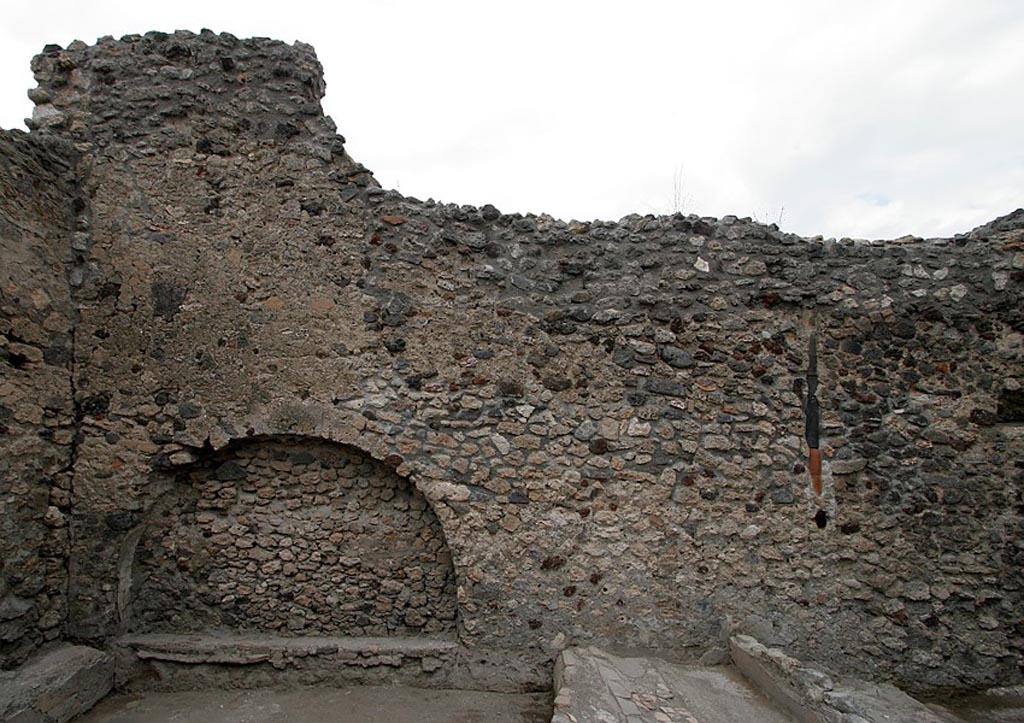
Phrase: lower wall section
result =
(292, 536)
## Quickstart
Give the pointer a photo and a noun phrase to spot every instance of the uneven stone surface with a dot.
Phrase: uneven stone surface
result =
(162, 662)
(812, 695)
(293, 537)
(56, 686)
(354, 705)
(609, 420)
(36, 406)
(765, 684)
(594, 686)
(998, 705)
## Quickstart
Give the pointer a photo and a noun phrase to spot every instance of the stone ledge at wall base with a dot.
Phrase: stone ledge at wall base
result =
(206, 661)
(811, 695)
(996, 705)
(56, 686)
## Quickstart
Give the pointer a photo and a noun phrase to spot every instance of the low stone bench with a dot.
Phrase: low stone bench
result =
(201, 661)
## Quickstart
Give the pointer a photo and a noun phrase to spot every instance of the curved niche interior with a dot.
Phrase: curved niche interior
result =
(292, 536)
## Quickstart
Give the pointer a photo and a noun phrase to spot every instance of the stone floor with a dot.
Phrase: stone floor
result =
(595, 686)
(598, 687)
(324, 705)
(591, 686)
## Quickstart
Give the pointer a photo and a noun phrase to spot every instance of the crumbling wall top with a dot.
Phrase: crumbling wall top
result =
(161, 91)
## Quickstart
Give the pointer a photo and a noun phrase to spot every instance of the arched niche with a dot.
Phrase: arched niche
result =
(290, 535)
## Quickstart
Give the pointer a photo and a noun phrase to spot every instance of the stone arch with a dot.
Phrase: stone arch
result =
(291, 535)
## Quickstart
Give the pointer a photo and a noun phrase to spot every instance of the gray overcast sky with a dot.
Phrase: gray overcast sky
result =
(867, 119)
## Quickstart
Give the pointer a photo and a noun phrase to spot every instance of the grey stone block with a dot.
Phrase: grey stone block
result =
(56, 686)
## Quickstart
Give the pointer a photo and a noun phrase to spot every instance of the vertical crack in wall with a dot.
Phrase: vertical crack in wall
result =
(80, 241)
(76, 435)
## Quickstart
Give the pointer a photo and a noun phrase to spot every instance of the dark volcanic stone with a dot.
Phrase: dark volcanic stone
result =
(167, 299)
(230, 471)
(676, 357)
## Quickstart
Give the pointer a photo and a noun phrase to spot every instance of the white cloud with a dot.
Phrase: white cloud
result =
(585, 109)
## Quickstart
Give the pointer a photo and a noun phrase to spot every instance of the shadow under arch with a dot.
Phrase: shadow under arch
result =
(289, 535)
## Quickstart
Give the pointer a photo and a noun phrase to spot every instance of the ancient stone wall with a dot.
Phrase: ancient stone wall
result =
(36, 413)
(609, 419)
(288, 536)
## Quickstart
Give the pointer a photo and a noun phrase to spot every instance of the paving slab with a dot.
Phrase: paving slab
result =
(55, 686)
(358, 704)
(594, 686)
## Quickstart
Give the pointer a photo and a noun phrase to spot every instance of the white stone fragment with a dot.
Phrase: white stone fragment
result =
(501, 444)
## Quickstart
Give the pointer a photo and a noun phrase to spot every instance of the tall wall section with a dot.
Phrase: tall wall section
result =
(608, 419)
(36, 413)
